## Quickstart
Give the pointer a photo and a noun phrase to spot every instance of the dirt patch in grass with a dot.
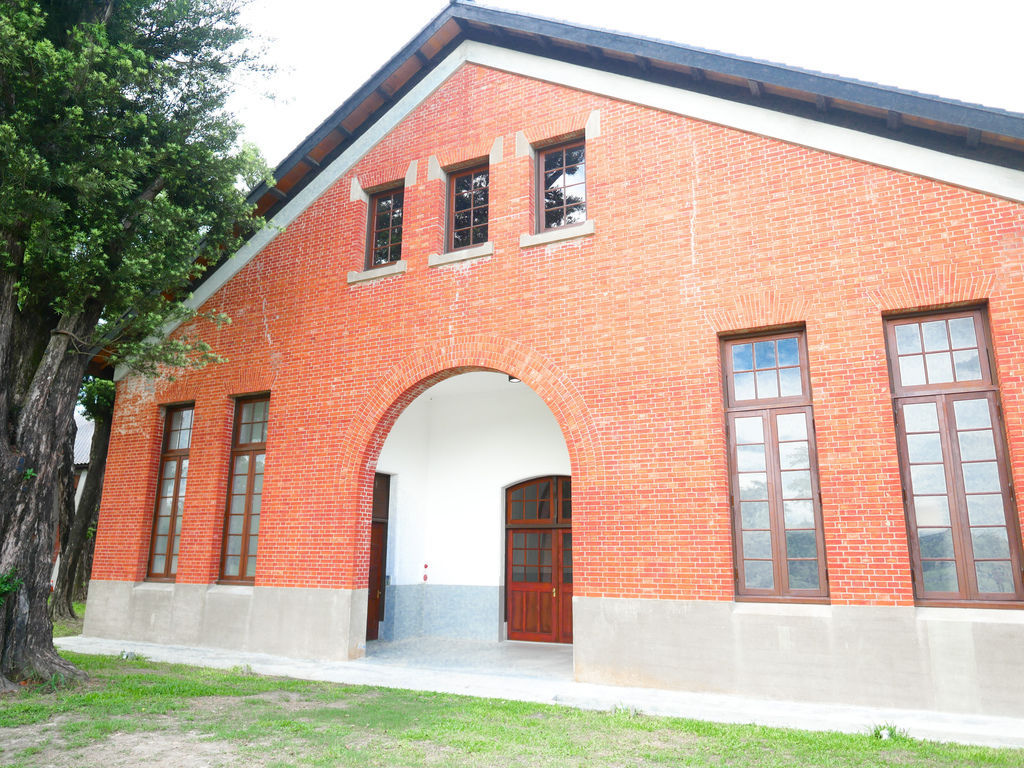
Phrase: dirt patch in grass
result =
(166, 749)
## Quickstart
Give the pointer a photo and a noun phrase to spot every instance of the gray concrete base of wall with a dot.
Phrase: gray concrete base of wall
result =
(327, 624)
(442, 610)
(948, 659)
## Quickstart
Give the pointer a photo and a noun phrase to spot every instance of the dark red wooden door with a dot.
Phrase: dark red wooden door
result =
(540, 584)
(531, 585)
(375, 596)
(378, 554)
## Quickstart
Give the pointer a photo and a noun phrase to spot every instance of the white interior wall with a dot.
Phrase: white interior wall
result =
(451, 454)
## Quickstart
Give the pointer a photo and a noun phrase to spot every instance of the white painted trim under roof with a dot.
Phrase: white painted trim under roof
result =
(877, 150)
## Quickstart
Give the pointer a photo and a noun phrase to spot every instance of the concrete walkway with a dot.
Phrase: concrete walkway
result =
(543, 673)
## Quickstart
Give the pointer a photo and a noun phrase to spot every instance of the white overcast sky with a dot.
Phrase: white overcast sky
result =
(966, 50)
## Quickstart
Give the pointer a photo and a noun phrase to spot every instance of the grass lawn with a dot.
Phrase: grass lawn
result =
(136, 712)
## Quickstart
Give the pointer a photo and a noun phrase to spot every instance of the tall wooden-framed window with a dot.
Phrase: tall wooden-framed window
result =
(385, 227)
(468, 206)
(561, 185)
(773, 468)
(170, 495)
(965, 542)
(245, 489)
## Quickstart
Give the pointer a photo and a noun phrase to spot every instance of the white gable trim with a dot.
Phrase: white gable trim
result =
(972, 174)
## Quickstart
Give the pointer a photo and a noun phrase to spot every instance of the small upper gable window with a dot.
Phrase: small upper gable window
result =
(468, 206)
(562, 194)
(385, 229)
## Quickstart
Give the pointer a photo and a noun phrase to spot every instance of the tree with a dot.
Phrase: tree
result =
(97, 400)
(120, 178)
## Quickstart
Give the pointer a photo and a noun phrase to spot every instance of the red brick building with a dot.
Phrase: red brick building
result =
(711, 367)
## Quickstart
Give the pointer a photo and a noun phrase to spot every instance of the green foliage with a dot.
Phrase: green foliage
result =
(96, 397)
(28, 474)
(120, 169)
(9, 584)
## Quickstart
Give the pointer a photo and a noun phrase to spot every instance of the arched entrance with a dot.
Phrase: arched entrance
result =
(446, 464)
(538, 560)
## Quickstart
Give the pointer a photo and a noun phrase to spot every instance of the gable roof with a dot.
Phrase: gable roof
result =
(971, 131)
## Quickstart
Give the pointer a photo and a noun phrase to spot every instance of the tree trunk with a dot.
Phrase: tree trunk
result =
(31, 454)
(65, 501)
(71, 574)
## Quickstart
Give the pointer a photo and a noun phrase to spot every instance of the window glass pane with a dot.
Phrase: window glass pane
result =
(234, 545)
(163, 525)
(908, 339)
(575, 155)
(742, 357)
(743, 386)
(554, 159)
(758, 574)
(940, 368)
(986, 509)
(935, 338)
(794, 455)
(170, 468)
(796, 485)
(977, 446)
(801, 544)
(750, 458)
(764, 354)
(250, 570)
(754, 514)
(961, 331)
(757, 544)
(753, 485)
(990, 543)
(967, 365)
(981, 477)
(921, 417)
(245, 433)
(159, 561)
(791, 426)
(928, 478)
(798, 513)
(931, 510)
(789, 351)
(749, 430)
(994, 577)
(924, 447)
(790, 384)
(912, 370)
(939, 576)
(803, 574)
(767, 384)
(235, 520)
(936, 542)
(238, 504)
(972, 414)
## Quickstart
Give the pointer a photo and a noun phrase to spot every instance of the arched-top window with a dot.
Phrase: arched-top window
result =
(540, 501)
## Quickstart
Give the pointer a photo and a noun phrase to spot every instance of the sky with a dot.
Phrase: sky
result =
(325, 49)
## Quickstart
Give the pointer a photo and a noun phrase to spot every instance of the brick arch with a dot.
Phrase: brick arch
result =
(395, 390)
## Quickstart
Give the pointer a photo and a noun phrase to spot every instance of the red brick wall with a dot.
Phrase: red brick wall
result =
(700, 230)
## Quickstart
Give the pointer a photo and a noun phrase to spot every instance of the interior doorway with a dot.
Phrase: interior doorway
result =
(378, 555)
(538, 559)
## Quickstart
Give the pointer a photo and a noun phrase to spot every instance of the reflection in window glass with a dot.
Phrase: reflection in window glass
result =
(779, 547)
(953, 461)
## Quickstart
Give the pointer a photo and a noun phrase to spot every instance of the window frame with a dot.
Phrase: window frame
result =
(371, 225)
(178, 455)
(250, 449)
(450, 229)
(944, 395)
(541, 153)
(768, 409)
